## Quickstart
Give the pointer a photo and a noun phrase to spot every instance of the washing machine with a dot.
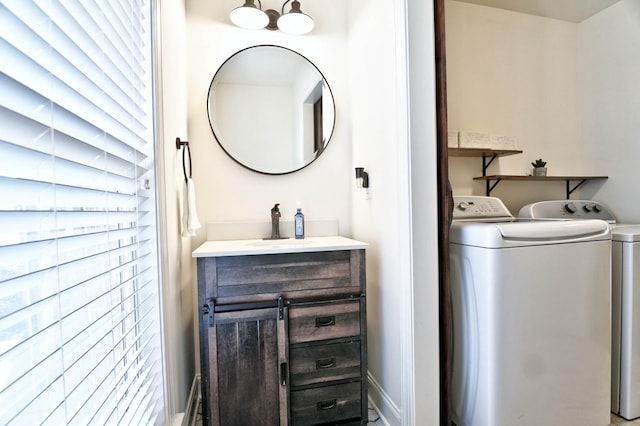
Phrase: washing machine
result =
(625, 296)
(531, 318)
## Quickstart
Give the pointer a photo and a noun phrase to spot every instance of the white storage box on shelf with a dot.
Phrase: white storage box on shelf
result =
(503, 142)
(452, 139)
(474, 140)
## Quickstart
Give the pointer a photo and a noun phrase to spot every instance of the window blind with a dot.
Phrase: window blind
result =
(80, 336)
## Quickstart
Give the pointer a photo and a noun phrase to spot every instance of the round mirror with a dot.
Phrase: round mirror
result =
(270, 109)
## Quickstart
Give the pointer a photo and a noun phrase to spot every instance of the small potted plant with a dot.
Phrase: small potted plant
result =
(539, 168)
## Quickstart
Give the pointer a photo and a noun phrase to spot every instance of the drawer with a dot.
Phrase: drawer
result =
(323, 363)
(288, 274)
(325, 404)
(324, 321)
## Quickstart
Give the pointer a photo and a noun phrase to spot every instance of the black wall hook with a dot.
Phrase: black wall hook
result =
(180, 144)
(186, 150)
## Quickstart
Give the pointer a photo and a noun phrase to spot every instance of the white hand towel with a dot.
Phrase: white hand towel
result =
(190, 222)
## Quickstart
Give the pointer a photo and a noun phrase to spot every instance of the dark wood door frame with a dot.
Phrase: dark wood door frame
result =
(445, 207)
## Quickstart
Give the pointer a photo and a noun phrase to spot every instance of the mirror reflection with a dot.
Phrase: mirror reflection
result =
(270, 109)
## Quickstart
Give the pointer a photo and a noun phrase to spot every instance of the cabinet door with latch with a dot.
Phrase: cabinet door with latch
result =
(247, 371)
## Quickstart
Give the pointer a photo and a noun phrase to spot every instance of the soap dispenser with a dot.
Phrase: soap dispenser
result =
(298, 223)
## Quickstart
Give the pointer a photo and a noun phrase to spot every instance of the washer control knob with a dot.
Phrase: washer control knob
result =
(596, 208)
(570, 208)
(587, 208)
(463, 206)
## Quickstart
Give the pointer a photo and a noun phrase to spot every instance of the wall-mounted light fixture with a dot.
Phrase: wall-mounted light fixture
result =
(252, 17)
(362, 178)
(248, 16)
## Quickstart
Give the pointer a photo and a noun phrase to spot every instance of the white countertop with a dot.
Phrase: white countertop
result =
(287, 245)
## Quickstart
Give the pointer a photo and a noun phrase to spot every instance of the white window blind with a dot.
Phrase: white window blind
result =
(80, 337)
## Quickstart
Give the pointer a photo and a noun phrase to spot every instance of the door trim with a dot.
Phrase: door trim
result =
(445, 206)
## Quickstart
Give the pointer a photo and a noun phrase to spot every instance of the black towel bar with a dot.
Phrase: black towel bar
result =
(186, 150)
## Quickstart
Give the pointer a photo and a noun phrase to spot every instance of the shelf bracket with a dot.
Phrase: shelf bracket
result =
(490, 187)
(570, 190)
(486, 164)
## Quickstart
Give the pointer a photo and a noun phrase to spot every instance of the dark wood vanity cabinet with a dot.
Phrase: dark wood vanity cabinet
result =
(283, 338)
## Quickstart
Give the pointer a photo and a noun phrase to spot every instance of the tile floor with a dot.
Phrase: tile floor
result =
(374, 420)
(615, 420)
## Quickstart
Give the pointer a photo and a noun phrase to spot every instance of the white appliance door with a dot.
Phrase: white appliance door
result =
(531, 335)
(616, 315)
(630, 332)
(528, 233)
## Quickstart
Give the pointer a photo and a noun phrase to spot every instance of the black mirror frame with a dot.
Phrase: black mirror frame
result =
(218, 137)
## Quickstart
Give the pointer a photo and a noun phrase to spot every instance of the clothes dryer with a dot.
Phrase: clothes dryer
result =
(625, 296)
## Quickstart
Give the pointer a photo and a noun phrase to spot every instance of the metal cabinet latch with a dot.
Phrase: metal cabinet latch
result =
(207, 311)
(280, 307)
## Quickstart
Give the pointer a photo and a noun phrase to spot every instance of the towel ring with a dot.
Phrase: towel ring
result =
(185, 151)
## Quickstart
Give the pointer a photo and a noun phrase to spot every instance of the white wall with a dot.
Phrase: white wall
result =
(404, 377)
(423, 215)
(364, 60)
(377, 148)
(227, 191)
(514, 74)
(610, 106)
(272, 124)
(178, 294)
(568, 92)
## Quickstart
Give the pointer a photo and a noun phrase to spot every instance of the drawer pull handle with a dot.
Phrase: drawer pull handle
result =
(283, 374)
(325, 363)
(326, 405)
(326, 321)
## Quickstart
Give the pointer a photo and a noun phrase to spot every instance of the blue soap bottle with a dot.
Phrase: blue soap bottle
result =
(298, 224)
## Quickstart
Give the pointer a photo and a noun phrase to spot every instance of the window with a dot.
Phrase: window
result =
(80, 334)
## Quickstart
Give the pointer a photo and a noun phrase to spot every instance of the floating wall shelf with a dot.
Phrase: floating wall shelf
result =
(481, 152)
(496, 179)
(488, 155)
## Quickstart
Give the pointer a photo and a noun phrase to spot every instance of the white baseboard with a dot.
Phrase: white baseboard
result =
(177, 419)
(193, 403)
(380, 401)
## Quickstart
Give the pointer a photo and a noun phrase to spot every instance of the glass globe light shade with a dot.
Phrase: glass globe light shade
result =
(295, 22)
(249, 17)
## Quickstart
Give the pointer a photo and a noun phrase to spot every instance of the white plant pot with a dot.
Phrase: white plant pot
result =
(539, 171)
